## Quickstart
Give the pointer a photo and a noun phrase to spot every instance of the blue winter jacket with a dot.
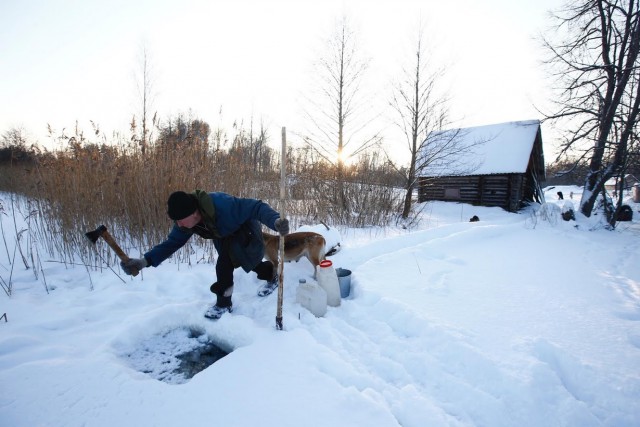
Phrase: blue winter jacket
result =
(237, 230)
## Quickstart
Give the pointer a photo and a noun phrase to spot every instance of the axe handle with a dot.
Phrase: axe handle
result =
(112, 243)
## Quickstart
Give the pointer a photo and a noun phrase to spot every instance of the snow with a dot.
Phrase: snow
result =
(514, 320)
(496, 149)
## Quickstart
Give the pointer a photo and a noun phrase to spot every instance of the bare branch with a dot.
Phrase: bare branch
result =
(595, 65)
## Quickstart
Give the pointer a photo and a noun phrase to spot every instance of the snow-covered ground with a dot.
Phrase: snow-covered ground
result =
(510, 321)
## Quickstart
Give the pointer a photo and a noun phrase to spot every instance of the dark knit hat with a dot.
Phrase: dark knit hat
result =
(180, 205)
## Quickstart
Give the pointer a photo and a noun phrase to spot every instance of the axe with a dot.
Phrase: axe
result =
(101, 231)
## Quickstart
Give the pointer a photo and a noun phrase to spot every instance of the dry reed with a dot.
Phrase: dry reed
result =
(84, 184)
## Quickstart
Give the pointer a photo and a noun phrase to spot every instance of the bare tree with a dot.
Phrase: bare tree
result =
(338, 114)
(14, 137)
(598, 80)
(421, 108)
(144, 84)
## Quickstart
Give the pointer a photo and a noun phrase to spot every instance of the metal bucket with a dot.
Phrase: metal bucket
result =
(344, 279)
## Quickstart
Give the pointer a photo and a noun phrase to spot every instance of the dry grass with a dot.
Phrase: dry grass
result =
(84, 184)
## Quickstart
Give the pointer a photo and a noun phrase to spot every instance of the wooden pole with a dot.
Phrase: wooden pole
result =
(281, 241)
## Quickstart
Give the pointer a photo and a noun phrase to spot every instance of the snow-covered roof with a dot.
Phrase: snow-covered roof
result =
(628, 180)
(485, 150)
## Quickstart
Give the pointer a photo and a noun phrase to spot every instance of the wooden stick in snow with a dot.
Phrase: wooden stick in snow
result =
(282, 215)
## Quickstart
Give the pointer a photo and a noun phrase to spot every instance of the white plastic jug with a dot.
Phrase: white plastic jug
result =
(312, 297)
(328, 280)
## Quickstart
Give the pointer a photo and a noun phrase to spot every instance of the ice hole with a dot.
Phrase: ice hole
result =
(175, 356)
(199, 359)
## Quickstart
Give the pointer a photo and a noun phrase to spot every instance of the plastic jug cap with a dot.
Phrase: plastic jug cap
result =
(326, 263)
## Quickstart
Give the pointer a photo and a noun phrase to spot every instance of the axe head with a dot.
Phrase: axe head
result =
(94, 235)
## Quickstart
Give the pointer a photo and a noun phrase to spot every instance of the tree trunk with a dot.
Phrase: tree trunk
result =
(411, 183)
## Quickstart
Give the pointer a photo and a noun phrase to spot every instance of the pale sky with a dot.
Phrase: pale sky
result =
(65, 60)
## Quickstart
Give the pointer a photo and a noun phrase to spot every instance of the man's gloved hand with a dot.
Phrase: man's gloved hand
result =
(134, 264)
(282, 226)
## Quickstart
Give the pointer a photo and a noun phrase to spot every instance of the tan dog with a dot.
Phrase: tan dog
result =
(296, 245)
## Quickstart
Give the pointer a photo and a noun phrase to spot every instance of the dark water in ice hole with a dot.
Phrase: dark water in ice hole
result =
(199, 359)
(176, 355)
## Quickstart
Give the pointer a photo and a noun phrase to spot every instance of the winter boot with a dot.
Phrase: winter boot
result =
(268, 287)
(223, 304)
(215, 312)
